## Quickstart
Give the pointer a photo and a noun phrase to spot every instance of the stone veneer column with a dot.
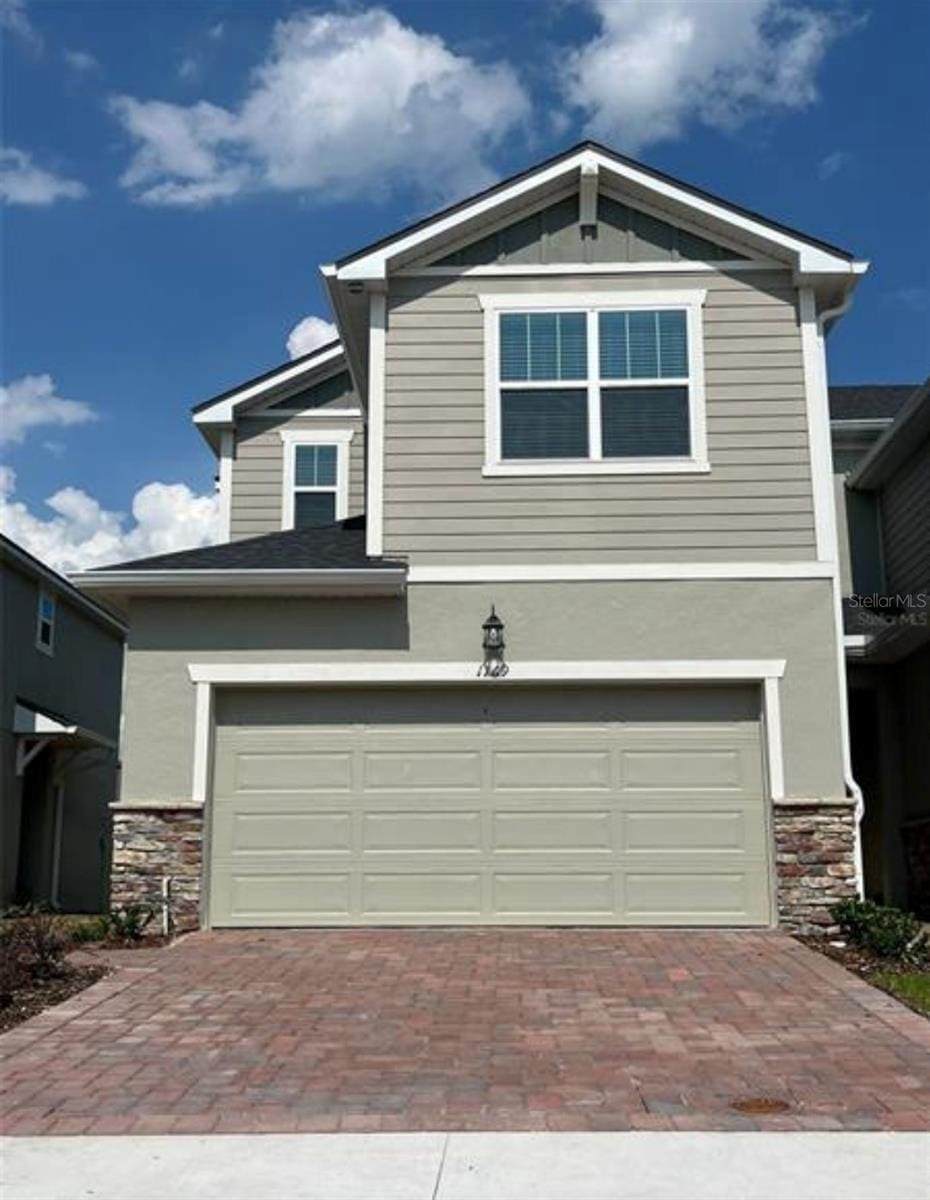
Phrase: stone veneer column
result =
(151, 842)
(815, 861)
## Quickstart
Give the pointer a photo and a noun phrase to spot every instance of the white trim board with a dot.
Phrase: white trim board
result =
(597, 572)
(440, 672)
(374, 516)
(665, 267)
(224, 483)
(207, 676)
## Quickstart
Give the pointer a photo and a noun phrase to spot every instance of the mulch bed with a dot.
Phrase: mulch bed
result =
(38, 995)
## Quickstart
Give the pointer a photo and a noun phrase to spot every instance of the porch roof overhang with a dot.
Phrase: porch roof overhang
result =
(35, 729)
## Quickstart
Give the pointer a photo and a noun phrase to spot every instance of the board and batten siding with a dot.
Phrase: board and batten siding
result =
(905, 509)
(258, 468)
(756, 502)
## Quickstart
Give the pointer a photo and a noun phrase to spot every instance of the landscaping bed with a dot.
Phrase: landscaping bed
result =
(884, 946)
(36, 995)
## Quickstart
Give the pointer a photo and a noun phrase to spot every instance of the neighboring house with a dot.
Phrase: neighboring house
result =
(594, 398)
(59, 730)
(884, 473)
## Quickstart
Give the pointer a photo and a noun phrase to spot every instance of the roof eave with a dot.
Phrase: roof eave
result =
(368, 581)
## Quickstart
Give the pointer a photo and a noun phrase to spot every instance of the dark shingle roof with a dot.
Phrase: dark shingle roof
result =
(339, 547)
(865, 401)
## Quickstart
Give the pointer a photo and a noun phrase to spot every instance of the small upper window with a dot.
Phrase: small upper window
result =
(316, 482)
(45, 623)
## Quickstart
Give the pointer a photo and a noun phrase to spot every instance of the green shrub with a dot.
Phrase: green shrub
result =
(11, 969)
(88, 929)
(881, 928)
(129, 924)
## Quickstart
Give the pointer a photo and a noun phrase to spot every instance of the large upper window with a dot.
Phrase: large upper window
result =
(316, 477)
(612, 385)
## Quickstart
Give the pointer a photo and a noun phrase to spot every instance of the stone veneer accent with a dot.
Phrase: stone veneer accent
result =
(150, 843)
(815, 862)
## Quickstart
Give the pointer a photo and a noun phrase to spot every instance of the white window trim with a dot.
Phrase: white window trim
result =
(292, 438)
(692, 301)
(48, 649)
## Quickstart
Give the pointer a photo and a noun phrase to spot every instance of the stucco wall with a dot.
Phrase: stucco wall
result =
(791, 619)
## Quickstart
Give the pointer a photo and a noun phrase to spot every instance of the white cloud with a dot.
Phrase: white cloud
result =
(343, 103)
(832, 163)
(80, 60)
(22, 182)
(81, 533)
(14, 19)
(189, 68)
(31, 402)
(657, 65)
(308, 334)
(215, 32)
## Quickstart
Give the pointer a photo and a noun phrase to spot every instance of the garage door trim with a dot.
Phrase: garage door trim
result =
(208, 676)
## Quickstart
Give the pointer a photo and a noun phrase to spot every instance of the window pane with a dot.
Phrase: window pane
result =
(645, 422)
(47, 608)
(643, 345)
(315, 466)
(543, 346)
(673, 344)
(314, 508)
(613, 339)
(544, 424)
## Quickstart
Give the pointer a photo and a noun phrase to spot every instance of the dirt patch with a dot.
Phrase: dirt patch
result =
(39, 994)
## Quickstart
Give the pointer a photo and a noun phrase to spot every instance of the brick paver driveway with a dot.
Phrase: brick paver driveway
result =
(469, 1029)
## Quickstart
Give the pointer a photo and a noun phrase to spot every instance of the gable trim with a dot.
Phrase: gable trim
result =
(681, 266)
(221, 410)
(812, 255)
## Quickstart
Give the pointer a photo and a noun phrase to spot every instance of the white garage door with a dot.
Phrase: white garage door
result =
(494, 805)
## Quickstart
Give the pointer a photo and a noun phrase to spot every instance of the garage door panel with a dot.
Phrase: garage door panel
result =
(415, 831)
(539, 810)
(275, 832)
(422, 894)
(735, 830)
(693, 898)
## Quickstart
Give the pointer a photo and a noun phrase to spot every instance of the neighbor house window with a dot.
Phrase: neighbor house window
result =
(45, 623)
(316, 477)
(612, 385)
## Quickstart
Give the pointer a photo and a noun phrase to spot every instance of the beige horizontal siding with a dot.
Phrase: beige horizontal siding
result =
(756, 502)
(258, 469)
(905, 508)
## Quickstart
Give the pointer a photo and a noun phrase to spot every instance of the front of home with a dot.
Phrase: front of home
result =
(593, 398)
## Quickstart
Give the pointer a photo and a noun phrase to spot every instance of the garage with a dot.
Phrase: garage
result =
(494, 804)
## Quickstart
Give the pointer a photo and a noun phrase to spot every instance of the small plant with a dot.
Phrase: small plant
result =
(11, 969)
(38, 941)
(883, 929)
(88, 929)
(129, 924)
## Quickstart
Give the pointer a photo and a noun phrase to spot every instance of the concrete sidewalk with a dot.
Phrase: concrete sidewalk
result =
(471, 1166)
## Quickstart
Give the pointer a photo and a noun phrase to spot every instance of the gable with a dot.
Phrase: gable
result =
(554, 235)
(336, 391)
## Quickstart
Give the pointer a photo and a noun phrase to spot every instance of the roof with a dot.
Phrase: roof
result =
(269, 376)
(339, 547)
(898, 443)
(38, 570)
(869, 401)
(613, 156)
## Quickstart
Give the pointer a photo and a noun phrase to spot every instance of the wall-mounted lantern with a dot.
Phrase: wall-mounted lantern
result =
(492, 642)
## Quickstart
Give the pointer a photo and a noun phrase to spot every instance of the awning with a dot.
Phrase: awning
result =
(35, 729)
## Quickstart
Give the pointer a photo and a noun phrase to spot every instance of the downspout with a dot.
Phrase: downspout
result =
(852, 787)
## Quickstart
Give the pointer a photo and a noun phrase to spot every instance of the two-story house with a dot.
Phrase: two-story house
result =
(594, 399)
(60, 684)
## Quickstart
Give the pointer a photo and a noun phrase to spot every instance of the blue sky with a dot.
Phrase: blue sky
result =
(179, 170)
